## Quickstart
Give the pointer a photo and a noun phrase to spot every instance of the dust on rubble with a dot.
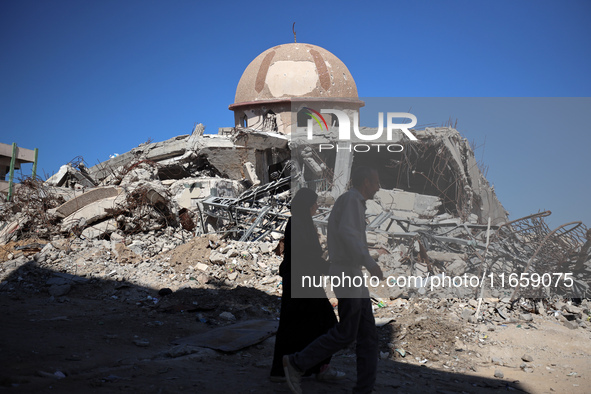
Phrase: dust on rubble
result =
(188, 254)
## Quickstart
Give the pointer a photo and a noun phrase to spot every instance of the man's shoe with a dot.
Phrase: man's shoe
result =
(292, 375)
(330, 375)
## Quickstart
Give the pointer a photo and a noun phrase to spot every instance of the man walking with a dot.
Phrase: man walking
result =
(348, 252)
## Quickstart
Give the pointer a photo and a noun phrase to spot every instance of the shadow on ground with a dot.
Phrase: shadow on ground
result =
(106, 336)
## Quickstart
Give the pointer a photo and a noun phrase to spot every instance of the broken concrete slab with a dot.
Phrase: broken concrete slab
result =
(261, 140)
(172, 147)
(234, 337)
(7, 232)
(84, 199)
(89, 214)
(59, 177)
(68, 175)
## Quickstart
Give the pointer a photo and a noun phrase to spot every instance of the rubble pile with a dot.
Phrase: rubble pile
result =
(434, 332)
(208, 212)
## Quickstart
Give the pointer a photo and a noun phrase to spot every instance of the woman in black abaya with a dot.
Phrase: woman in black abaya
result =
(302, 320)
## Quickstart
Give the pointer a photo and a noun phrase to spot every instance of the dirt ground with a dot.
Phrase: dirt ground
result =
(105, 337)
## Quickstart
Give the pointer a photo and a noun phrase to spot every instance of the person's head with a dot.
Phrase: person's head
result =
(366, 181)
(304, 202)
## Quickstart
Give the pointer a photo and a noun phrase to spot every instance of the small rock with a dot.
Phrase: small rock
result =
(265, 247)
(141, 342)
(227, 316)
(202, 267)
(217, 258)
(558, 305)
(396, 293)
(573, 325)
(384, 355)
(573, 309)
(457, 268)
(232, 275)
(466, 313)
(497, 361)
(499, 374)
(526, 317)
(527, 358)
(59, 290)
(116, 237)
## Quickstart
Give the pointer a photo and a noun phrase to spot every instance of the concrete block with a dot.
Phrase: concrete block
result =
(426, 205)
(395, 200)
(250, 173)
(58, 178)
(98, 229)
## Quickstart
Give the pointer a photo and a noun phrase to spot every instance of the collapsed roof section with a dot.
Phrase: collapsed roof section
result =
(440, 165)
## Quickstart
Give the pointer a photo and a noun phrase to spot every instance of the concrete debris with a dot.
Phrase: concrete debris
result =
(204, 211)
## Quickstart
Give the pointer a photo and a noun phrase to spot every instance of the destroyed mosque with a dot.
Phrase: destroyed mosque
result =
(436, 212)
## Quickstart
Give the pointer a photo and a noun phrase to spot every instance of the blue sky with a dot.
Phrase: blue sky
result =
(93, 78)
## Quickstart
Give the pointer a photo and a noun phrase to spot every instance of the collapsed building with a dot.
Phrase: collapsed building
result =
(435, 212)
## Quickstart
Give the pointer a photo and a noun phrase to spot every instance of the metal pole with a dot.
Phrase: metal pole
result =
(35, 164)
(11, 178)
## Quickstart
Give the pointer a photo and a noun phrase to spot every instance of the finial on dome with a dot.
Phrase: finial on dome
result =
(294, 32)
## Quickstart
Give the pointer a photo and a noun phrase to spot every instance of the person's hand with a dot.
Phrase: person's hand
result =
(375, 270)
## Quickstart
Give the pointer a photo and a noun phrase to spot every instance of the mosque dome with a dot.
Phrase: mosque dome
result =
(296, 70)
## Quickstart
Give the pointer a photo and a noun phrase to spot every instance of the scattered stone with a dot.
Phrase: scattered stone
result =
(217, 258)
(526, 317)
(573, 309)
(59, 290)
(227, 316)
(141, 342)
(527, 358)
(499, 374)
